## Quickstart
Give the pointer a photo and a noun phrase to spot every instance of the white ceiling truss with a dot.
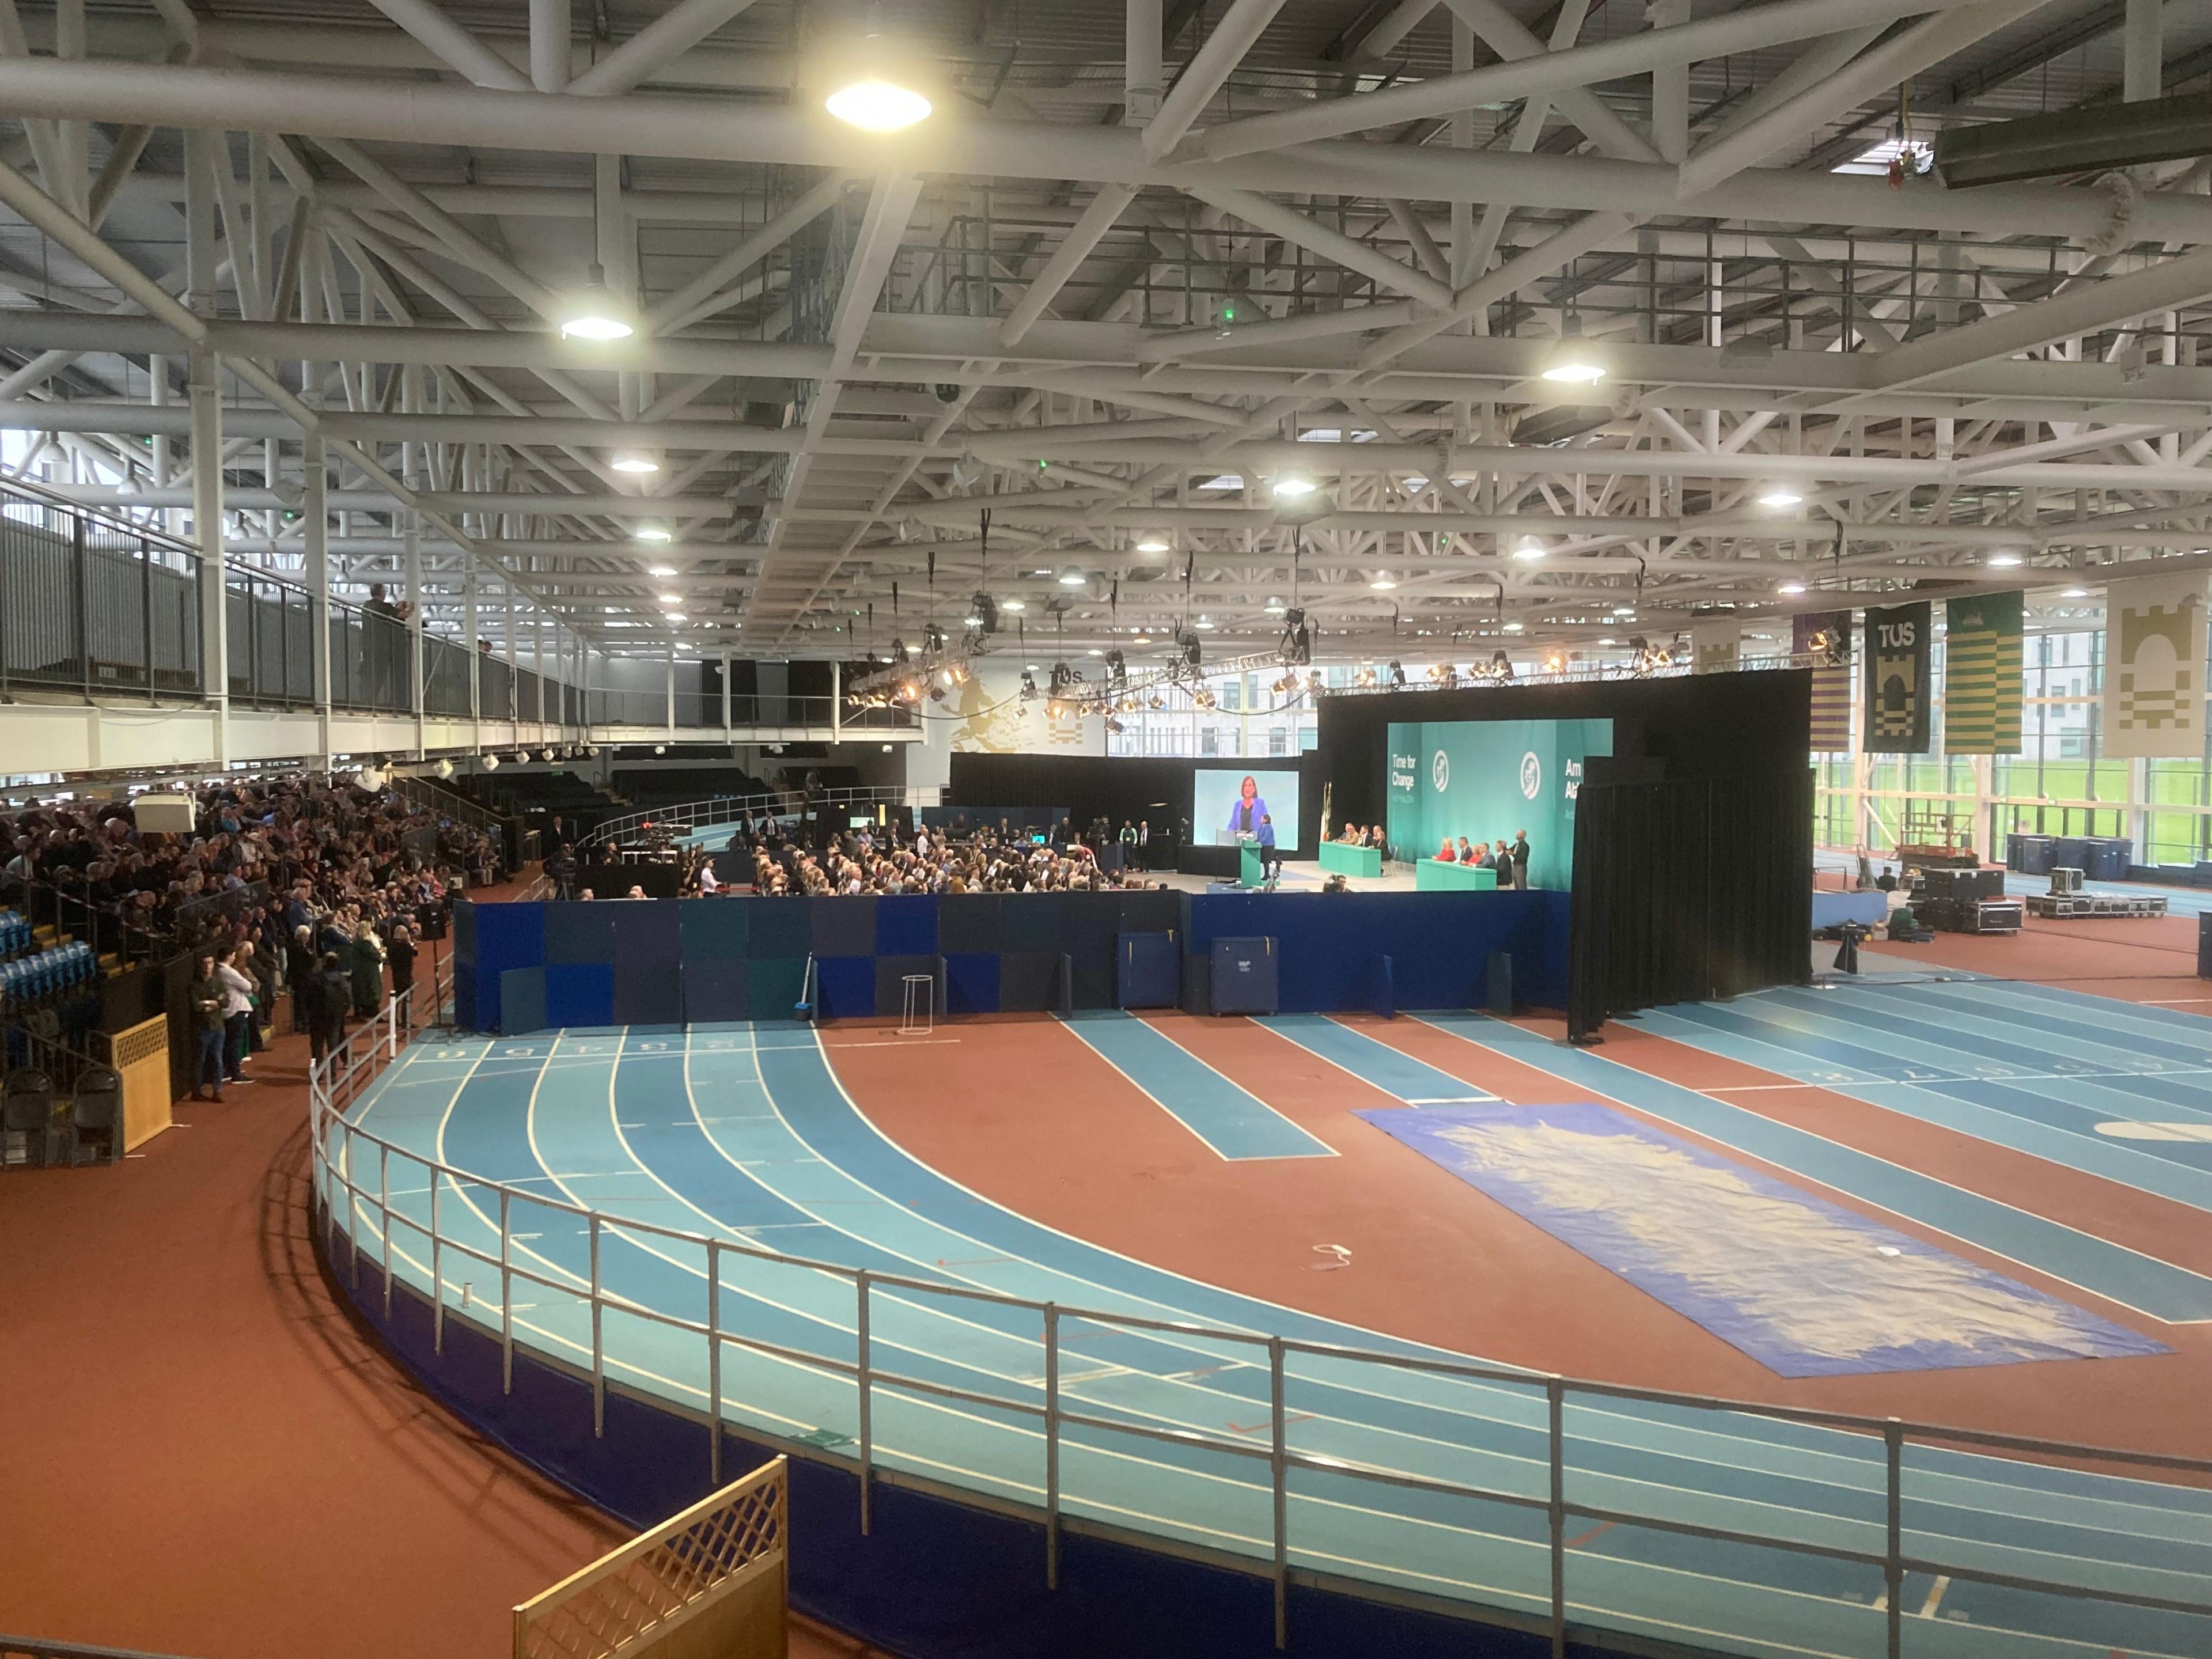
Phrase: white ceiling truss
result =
(1141, 260)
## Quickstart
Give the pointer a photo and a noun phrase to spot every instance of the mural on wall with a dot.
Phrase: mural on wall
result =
(990, 718)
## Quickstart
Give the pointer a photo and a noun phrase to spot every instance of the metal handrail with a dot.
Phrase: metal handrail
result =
(729, 809)
(332, 1089)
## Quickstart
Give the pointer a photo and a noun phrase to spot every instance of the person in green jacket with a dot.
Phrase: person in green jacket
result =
(368, 972)
(205, 998)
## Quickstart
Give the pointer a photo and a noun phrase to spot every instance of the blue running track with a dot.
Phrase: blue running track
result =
(744, 1133)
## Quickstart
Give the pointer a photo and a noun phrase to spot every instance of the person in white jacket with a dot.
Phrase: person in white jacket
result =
(237, 1010)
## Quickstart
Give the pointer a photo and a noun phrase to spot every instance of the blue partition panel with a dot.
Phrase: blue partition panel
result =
(972, 982)
(521, 1000)
(714, 989)
(1148, 971)
(715, 929)
(907, 925)
(580, 994)
(648, 977)
(845, 987)
(1003, 953)
(578, 932)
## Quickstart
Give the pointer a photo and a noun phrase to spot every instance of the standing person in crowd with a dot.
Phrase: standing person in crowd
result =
(205, 996)
(299, 971)
(330, 995)
(237, 1010)
(367, 969)
(400, 953)
(1520, 850)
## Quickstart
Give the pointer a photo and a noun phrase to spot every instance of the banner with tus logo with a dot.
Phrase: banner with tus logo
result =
(1714, 645)
(2155, 666)
(1897, 673)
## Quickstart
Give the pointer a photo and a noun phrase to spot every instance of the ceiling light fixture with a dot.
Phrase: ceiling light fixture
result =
(1153, 542)
(872, 89)
(2004, 561)
(1530, 549)
(1381, 585)
(1780, 494)
(1012, 605)
(1294, 483)
(660, 570)
(1791, 588)
(648, 532)
(1572, 362)
(2075, 593)
(631, 462)
(596, 311)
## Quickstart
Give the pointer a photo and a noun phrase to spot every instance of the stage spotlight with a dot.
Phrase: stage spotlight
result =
(983, 614)
(1397, 674)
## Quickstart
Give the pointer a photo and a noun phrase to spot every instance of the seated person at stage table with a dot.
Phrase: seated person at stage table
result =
(1446, 854)
(1469, 854)
(1247, 811)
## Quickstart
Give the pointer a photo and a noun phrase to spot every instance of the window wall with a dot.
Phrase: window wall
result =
(2059, 783)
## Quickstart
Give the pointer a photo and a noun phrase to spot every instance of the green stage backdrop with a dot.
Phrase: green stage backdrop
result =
(1485, 779)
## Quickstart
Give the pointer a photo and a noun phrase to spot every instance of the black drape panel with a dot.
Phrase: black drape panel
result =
(1688, 888)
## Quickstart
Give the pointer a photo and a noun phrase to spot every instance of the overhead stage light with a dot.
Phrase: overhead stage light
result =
(596, 311)
(1014, 605)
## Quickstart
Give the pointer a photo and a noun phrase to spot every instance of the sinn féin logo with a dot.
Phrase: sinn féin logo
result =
(1532, 774)
(1440, 771)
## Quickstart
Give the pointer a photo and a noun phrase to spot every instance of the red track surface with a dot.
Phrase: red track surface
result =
(1075, 1145)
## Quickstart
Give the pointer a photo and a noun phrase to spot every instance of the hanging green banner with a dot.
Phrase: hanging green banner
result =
(1982, 675)
(1897, 656)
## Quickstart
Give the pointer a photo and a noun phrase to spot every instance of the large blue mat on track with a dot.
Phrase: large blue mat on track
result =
(1804, 1286)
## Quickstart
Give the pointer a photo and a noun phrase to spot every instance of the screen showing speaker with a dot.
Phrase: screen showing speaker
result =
(1475, 783)
(1229, 804)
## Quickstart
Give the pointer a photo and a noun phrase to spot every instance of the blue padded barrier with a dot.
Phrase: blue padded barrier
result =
(581, 933)
(845, 986)
(1381, 989)
(714, 989)
(972, 982)
(715, 929)
(907, 925)
(648, 975)
(1011, 952)
(1148, 971)
(580, 994)
(1245, 977)
(521, 1000)
(842, 926)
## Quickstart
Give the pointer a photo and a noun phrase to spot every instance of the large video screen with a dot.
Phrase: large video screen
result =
(1228, 802)
(1488, 780)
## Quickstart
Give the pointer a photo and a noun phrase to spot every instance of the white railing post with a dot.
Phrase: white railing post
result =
(506, 1294)
(384, 1219)
(714, 1363)
(867, 1423)
(1279, 1474)
(437, 1271)
(598, 1341)
(1051, 1446)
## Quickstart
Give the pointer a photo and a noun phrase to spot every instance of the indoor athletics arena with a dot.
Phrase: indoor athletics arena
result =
(1564, 1010)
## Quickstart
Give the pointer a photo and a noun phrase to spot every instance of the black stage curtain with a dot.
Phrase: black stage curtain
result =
(1688, 888)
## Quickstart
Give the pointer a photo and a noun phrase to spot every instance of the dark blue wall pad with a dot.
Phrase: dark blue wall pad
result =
(772, 986)
(779, 928)
(576, 932)
(907, 925)
(1439, 945)
(580, 994)
(968, 923)
(972, 982)
(843, 927)
(1148, 971)
(845, 986)
(714, 989)
(715, 929)
(522, 1000)
(936, 1577)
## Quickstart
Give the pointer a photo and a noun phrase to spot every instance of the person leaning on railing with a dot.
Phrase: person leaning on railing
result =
(330, 1000)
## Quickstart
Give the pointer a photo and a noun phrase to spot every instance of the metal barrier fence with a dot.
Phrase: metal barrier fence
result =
(25, 1647)
(732, 809)
(354, 1172)
(95, 605)
(696, 711)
